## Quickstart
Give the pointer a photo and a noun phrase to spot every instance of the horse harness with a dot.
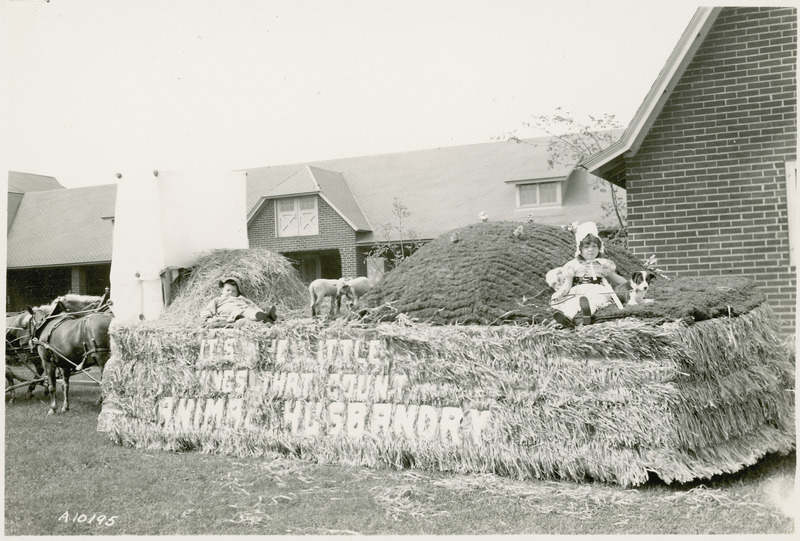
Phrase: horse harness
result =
(44, 339)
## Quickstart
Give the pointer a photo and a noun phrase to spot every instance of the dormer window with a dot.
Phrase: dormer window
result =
(297, 216)
(538, 194)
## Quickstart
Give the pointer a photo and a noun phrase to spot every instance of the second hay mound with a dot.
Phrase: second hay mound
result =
(266, 278)
(477, 274)
(484, 274)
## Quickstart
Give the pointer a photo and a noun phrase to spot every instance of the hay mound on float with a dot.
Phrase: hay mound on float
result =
(266, 278)
(486, 274)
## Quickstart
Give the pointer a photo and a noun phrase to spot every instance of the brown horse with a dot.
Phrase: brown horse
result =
(69, 342)
(18, 348)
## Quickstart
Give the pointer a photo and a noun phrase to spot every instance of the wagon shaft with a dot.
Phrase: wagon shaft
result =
(24, 384)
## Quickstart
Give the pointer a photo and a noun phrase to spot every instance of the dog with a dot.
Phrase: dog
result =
(634, 290)
(555, 278)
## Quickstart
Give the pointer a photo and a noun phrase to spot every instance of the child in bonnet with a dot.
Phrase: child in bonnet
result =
(231, 305)
(584, 287)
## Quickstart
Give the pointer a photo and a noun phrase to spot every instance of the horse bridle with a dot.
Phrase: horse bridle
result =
(10, 344)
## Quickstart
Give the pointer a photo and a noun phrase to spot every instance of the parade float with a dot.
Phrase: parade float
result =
(455, 364)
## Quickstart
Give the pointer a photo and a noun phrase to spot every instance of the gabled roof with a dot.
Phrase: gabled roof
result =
(330, 185)
(442, 188)
(28, 182)
(63, 227)
(610, 163)
(336, 192)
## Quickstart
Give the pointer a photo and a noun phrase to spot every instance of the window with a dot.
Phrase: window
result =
(538, 194)
(297, 216)
(793, 202)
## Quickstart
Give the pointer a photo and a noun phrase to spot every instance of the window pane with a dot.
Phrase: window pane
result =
(527, 195)
(285, 205)
(548, 193)
(308, 203)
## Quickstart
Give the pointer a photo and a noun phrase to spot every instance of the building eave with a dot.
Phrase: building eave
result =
(58, 265)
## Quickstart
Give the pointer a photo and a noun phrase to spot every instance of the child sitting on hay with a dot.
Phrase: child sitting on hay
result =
(584, 286)
(231, 305)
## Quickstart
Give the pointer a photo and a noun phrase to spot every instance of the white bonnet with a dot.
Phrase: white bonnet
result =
(586, 228)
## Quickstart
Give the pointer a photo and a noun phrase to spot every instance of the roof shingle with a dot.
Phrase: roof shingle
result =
(63, 227)
(28, 182)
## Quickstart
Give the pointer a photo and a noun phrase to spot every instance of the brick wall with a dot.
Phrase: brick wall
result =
(707, 189)
(334, 233)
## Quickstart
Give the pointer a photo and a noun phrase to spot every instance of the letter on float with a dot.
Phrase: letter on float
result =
(212, 416)
(234, 412)
(363, 387)
(184, 413)
(374, 349)
(356, 413)
(241, 382)
(278, 384)
(227, 381)
(292, 388)
(380, 419)
(427, 423)
(478, 420)
(292, 415)
(229, 348)
(336, 416)
(346, 347)
(165, 406)
(399, 383)
(404, 417)
(306, 380)
(349, 385)
(334, 386)
(451, 419)
(313, 414)
(283, 346)
(381, 387)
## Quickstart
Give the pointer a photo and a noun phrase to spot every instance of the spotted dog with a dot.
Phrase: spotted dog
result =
(634, 290)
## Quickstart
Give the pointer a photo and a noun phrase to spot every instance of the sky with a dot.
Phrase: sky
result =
(99, 87)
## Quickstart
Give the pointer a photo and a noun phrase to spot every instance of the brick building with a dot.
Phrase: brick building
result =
(709, 160)
(325, 216)
(328, 215)
(59, 240)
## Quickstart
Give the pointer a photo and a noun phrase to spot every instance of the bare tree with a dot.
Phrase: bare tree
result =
(397, 240)
(571, 142)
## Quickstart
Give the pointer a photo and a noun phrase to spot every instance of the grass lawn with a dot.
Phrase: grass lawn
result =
(60, 472)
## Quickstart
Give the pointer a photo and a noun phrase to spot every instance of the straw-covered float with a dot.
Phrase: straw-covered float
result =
(458, 366)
